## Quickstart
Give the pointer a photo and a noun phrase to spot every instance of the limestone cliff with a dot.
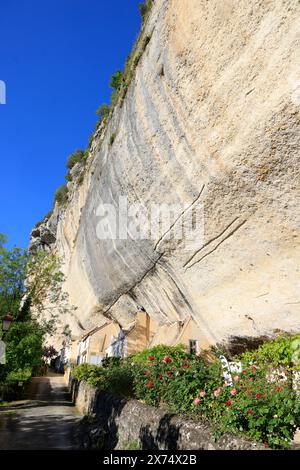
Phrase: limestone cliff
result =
(211, 118)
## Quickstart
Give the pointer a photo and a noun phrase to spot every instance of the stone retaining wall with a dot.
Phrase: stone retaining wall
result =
(112, 423)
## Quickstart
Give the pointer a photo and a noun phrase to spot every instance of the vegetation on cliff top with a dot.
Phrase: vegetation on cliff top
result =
(119, 83)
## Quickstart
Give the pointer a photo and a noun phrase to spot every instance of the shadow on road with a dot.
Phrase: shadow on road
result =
(46, 421)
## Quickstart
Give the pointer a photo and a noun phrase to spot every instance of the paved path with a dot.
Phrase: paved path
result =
(46, 421)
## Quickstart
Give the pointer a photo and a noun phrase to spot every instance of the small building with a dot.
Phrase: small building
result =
(110, 340)
(186, 332)
(96, 344)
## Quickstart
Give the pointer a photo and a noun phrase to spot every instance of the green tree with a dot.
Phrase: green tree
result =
(30, 289)
(116, 81)
(103, 111)
(12, 274)
(44, 282)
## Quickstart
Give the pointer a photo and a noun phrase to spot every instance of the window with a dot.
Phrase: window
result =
(193, 346)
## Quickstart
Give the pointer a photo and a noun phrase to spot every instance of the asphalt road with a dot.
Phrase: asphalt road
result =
(46, 421)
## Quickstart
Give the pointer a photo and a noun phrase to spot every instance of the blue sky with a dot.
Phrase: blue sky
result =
(56, 58)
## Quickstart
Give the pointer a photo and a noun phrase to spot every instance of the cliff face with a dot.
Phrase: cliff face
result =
(210, 120)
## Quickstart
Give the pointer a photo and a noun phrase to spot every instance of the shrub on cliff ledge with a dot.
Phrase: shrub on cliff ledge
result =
(103, 111)
(145, 9)
(61, 196)
(75, 157)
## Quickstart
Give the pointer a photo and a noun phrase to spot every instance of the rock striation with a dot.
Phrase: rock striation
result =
(210, 121)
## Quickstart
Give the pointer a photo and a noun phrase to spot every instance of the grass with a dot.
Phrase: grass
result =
(131, 445)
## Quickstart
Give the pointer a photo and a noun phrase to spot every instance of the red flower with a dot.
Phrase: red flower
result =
(146, 372)
(258, 395)
(277, 388)
(186, 366)
(250, 412)
(228, 403)
(170, 374)
(167, 359)
(151, 358)
(161, 377)
(150, 384)
(244, 372)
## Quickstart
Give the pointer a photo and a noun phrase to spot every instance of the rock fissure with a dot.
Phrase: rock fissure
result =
(220, 243)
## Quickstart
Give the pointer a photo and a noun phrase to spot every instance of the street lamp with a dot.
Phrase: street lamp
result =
(6, 322)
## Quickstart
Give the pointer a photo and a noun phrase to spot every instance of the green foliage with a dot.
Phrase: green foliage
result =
(114, 98)
(140, 54)
(25, 283)
(266, 411)
(168, 374)
(44, 282)
(89, 373)
(131, 445)
(103, 111)
(120, 82)
(61, 196)
(282, 351)
(116, 81)
(12, 274)
(69, 176)
(145, 9)
(295, 350)
(20, 375)
(75, 157)
(177, 352)
(24, 346)
(137, 59)
(115, 379)
(111, 362)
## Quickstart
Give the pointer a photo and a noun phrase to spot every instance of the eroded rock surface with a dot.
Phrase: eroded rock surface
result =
(211, 119)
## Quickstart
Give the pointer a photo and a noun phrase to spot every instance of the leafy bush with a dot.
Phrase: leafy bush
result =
(69, 176)
(281, 351)
(75, 157)
(266, 411)
(131, 445)
(111, 362)
(116, 81)
(115, 379)
(61, 196)
(103, 111)
(20, 375)
(168, 374)
(89, 373)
